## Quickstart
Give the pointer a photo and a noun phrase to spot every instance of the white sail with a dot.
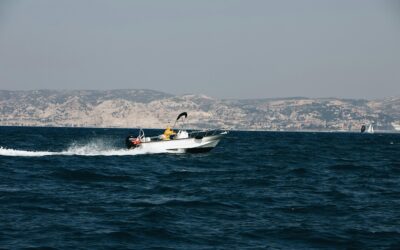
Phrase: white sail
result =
(370, 129)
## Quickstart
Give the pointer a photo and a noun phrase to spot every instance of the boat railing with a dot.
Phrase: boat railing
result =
(191, 134)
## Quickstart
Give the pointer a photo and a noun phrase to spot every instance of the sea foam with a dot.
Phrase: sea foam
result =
(93, 148)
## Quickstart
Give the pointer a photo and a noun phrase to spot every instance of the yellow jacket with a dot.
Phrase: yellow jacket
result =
(168, 132)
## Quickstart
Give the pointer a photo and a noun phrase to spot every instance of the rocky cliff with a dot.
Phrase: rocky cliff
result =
(153, 109)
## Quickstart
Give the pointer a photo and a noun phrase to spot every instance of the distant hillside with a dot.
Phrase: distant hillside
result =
(154, 109)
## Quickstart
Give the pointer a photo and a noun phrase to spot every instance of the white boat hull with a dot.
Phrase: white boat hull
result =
(187, 145)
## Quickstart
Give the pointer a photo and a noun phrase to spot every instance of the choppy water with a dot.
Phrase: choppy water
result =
(80, 189)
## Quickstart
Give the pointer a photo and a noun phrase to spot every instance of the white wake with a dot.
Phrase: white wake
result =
(93, 148)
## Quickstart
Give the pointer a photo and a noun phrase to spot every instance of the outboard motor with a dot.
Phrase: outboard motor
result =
(129, 141)
(362, 128)
(133, 142)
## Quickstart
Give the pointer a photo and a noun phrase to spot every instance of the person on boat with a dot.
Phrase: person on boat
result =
(168, 132)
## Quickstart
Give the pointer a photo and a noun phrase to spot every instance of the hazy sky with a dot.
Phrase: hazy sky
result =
(224, 49)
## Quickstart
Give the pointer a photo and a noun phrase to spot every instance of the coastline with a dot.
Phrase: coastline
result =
(233, 130)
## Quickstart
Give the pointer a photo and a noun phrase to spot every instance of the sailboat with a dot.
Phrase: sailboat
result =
(370, 129)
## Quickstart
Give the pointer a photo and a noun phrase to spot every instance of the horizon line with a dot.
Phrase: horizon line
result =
(199, 94)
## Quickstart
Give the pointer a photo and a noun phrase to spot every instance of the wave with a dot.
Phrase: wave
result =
(92, 148)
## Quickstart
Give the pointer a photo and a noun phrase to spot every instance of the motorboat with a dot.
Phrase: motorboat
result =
(184, 141)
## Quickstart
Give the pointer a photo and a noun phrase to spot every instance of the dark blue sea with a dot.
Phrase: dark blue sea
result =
(76, 188)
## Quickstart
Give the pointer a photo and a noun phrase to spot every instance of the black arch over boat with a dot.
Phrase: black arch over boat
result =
(182, 114)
